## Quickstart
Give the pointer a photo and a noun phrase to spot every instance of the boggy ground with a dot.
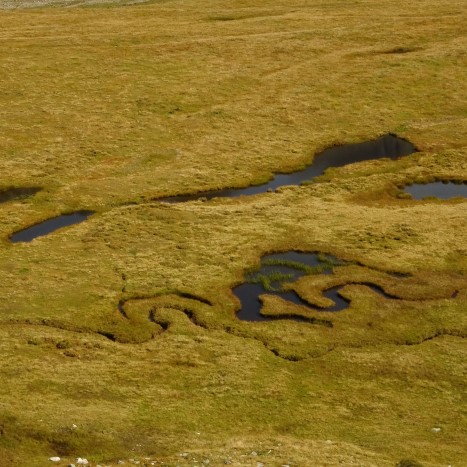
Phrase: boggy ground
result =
(107, 109)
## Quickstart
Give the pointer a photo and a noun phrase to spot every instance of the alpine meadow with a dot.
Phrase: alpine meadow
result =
(176, 302)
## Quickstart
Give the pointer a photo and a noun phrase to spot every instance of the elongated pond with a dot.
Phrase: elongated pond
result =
(48, 226)
(440, 190)
(387, 146)
(280, 268)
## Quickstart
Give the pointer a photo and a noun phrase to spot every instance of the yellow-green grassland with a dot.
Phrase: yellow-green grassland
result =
(108, 106)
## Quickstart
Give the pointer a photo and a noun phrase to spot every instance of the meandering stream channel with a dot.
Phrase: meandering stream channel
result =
(280, 268)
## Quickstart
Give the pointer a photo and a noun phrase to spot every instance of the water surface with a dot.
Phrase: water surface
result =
(280, 268)
(387, 146)
(441, 190)
(48, 226)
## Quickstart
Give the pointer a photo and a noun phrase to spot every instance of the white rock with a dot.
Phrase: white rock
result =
(436, 429)
(54, 459)
(82, 461)
(253, 453)
(259, 464)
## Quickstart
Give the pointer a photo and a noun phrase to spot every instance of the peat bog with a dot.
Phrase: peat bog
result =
(440, 190)
(387, 146)
(18, 193)
(50, 225)
(280, 268)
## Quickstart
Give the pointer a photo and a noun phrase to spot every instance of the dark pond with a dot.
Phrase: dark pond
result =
(388, 146)
(280, 268)
(441, 190)
(18, 193)
(48, 226)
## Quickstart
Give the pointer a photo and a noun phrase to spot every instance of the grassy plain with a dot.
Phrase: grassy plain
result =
(110, 107)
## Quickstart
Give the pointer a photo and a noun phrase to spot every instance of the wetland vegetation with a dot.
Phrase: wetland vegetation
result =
(120, 337)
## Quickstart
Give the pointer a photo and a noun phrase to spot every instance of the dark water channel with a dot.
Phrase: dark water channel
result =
(48, 226)
(387, 146)
(280, 268)
(441, 190)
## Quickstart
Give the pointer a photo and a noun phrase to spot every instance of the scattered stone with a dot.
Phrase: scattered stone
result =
(227, 461)
(259, 464)
(253, 453)
(120, 462)
(73, 427)
(82, 461)
(206, 461)
(54, 459)
(436, 429)
(183, 454)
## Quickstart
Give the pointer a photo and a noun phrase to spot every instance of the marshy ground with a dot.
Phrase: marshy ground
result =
(118, 335)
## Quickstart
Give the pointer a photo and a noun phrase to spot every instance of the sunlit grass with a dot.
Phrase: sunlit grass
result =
(107, 108)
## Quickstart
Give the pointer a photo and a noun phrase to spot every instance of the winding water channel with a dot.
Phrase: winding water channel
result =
(280, 268)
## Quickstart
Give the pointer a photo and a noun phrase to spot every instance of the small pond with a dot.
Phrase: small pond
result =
(440, 190)
(387, 146)
(48, 226)
(280, 268)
